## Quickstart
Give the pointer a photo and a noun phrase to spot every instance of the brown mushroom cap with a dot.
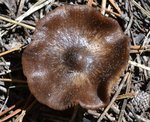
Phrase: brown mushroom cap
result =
(75, 57)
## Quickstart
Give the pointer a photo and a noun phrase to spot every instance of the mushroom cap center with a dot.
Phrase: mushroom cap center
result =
(77, 59)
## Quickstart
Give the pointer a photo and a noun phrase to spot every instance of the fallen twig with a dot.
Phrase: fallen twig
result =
(139, 65)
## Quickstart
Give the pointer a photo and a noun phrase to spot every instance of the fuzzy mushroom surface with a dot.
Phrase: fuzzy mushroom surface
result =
(76, 56)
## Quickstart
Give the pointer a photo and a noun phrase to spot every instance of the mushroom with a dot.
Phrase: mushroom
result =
(76, 56)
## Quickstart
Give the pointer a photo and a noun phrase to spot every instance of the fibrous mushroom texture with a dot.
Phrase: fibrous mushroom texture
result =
(75, 58)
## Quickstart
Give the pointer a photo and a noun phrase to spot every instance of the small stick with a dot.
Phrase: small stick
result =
(122, 111)
(116, 7)
(12, 80)
(20, 8)
(138, 51)
(103, 6)
(125, 96)
(114, 98)
(94, 113)
(21, 116)
(7, 110)
(38, 5)
(110, 118)
(138, 47)
(12, 50)
(129, 24)
(109, 11)
(9, 51)
(143, 119)
(147, 13)
(10, 108)
(11, 115)
(17, 23)
(139, 65)
(23, 113)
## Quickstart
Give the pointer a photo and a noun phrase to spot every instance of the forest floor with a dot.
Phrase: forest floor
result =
(130, 99)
